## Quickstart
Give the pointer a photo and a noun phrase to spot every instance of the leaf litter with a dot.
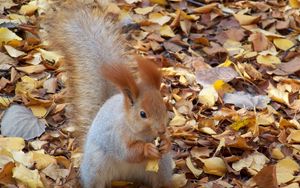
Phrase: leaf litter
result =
(230, 83)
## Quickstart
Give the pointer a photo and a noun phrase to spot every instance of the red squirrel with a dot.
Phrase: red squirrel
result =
(121, 126)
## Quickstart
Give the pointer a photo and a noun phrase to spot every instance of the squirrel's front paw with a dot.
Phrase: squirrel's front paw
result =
(165, 145)
(151, 151)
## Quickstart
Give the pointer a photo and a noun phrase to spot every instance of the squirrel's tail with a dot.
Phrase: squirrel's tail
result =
(87, 38)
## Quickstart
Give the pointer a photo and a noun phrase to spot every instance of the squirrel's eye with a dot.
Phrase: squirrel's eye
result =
(143, 114)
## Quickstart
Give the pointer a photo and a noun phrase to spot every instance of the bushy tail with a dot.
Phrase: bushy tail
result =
(87, 38)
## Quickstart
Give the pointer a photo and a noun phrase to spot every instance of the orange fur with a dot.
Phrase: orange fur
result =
(120, 75)
(149, 72)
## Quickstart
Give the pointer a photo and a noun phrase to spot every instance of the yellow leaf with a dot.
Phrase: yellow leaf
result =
(239, 124)
(207, 130)
(160, 2)
(245, 19)
(283, 44)
(26, 85)
(277, 154)
(178, 119)
(205, 9)
(42, 160)
(50, 55)
(152, 165)
(215, 166)
(197, 172)
(294, 3)
(18, 18)
(23, 158)
(7, 35)
(279, 96)
(285, 169)
(32, 69)
(166, 31)
(268, 60)
(38, 111)
(5, 101)
(144, 10)
(30, 178)
(28, 9)
(226, 63)
(179, 180)
(208, 96)
(158, 18)
(12, 143)
(294, 137)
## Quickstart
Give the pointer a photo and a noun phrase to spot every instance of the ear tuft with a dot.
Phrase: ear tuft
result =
(120, 75)
(149, 72)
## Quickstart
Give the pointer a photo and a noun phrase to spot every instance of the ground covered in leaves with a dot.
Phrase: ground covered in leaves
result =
(231, 84)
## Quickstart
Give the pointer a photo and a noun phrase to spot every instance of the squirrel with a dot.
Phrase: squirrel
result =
(121, 125)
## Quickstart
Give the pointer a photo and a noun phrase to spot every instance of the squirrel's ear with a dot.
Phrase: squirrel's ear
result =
(149, 72)
(120, 75)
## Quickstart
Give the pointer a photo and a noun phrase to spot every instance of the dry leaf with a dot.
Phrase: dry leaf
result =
(166, 31)
(19, 121)
(246, 19)
(215, 166)
(197, 172)
(12, 143)
(7, 35)
(283, 44)
(29, 178)
(268, 60)
(156, 17)
(13, 52)
(246, 100)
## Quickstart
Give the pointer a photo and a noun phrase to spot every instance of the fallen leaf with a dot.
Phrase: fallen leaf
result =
(19, 121)
(6, 174)
(246, 100)
(158, 18)
(294, 137)
(29, 178)
(288, 68)
(12, 143)
(246, 19)
(283, 44)
(28, 9)
(54, 172)
(210, 76)
(7, 35)
(215, 166)
(144, 10)
(268, 60)
(197, 172)
(266, 177)
(179, 180)
(166, 31)
(208, 96)
(32, 69)
(294, 3)
(259, 41)
(38, 111)
(285, 169)
(13, 52)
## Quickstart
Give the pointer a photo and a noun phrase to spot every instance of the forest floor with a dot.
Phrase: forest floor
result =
(231, 84)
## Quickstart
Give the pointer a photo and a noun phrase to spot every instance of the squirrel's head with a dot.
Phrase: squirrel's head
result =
(145, 110)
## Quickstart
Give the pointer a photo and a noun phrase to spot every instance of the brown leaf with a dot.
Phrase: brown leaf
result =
(290, 67)
(266, 177)
(260, 41)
